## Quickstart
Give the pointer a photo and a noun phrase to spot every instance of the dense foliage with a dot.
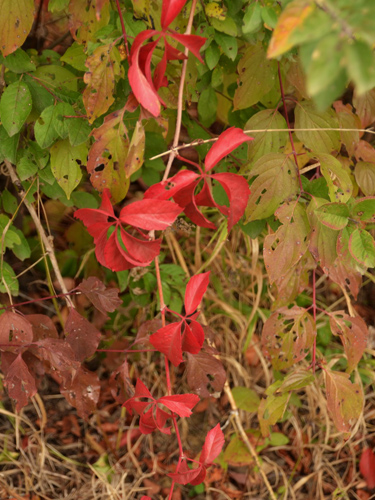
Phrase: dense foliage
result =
(275, 101)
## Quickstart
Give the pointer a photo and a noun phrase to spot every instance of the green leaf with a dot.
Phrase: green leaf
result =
(228, 45)
(60, 123)
(271, 410)
(269, 16)
(361, 65)
(8, 276)
(252, 20)
(319, 141)
(9, 202)
(57, 5)
(254, 84)
(212, 55)
(340, 186)
(266, 142)
(207, 107)
(276, 182)
(237, 453)
(344, 400)
(246, 399)
(278, 439)
(8, 146)
(295, 380)
(228, 26)
(254, 228)
(15, 106)
(65, 164)
(22, 251)
(333, 215)
(362, 247)
(79, 130)
(11, 238)
(75, 57)
(364, 173)
(364, 209)
(44, 129)
(19, 62)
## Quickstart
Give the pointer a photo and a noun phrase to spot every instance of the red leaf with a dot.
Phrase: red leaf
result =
(15, 328)
(83, 337)
(146, 214)
(367, 467)
(195, 290)
(96, 220)
(170, 10)
(168, 341)
(19, 382)
(181, 404)
(238, 192)
(213, 445)
(193, 42)
(142, 89)
(186, 475)
(167, 189)
(226, 143)
(104, 299)
(193, 337)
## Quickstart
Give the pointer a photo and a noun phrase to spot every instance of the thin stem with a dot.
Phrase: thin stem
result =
(288, 123)
(123, 29)
(50, 297)
(176, 138)
(314, 316)
(47, 240)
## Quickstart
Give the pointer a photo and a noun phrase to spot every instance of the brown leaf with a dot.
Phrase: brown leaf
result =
(43, 327)
(59, 355)
(205, 374)
(20, 383)
(287, 336)
(83, 392)
(344, 399)
(104, 299)
(15, 329)
(82, 336)
(146, 329)
(353, 333)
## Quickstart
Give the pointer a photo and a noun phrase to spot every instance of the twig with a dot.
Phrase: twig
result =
(198, 142)
(245, 439)
(172, 151)
(47, 240)
(123, 29)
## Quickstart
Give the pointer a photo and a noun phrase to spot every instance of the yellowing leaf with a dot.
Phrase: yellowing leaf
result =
(257, 77)
(319, 141)
(283, 249)
(271, 410)
(276, 182)
(291, 18)
(134, 159)
(84, 21)
(66, 161)
(287, 336)
(213, 9)
(365, 176)
(353, 333)
(344, 400)
(107, 156)
(365, 107)
(16, 20)
(266, 142)
(104, 65)
(339, 184)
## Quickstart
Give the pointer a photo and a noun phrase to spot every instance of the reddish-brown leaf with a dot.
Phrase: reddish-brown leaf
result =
(15, 329)
(367, 467)
(83, 392)
(43, 327)
(353, 333)
(287, 336)
(104, 299)
(205, 374)
(19, 382)
(82, 336)
(59, 354)
(344, 400)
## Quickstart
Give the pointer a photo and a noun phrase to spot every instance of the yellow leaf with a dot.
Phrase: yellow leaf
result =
(213, 9)
(16, 19)
(291, 18)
